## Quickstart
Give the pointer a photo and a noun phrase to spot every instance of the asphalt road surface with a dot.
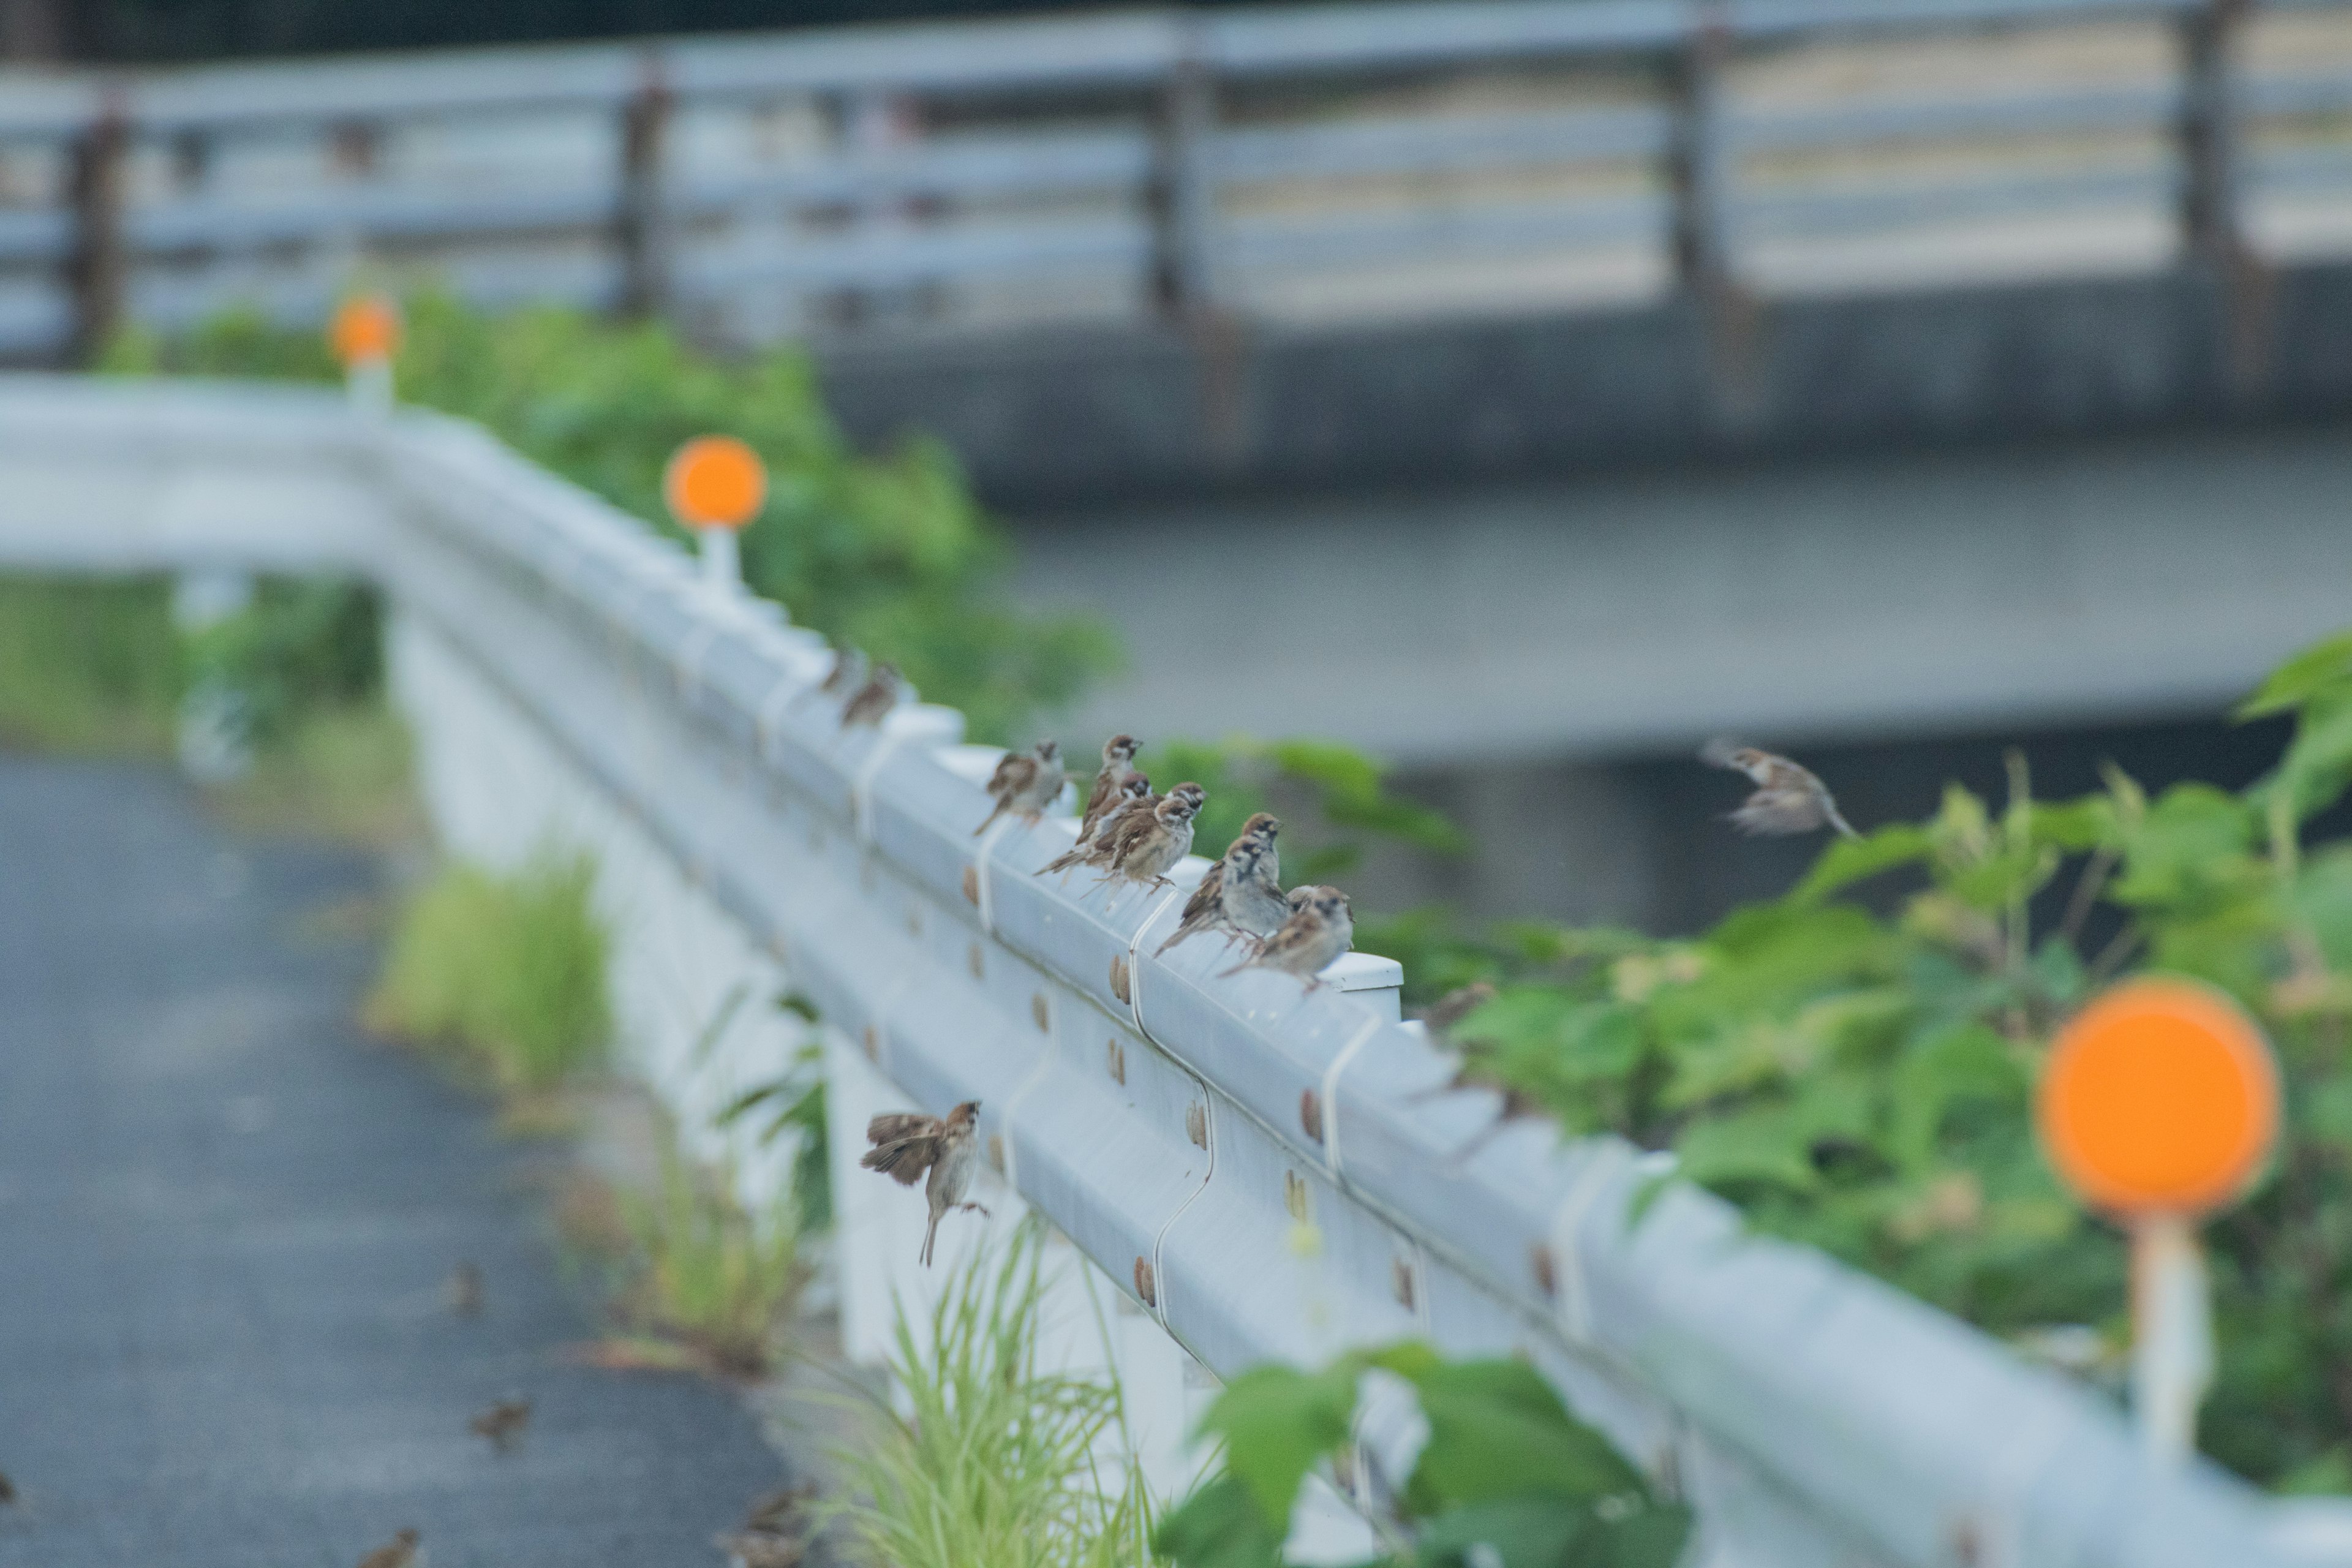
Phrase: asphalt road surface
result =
(226, 1222)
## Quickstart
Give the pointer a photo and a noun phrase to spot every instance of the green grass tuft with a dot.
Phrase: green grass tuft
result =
(87, 665)
(709, 1275)
(507, 970)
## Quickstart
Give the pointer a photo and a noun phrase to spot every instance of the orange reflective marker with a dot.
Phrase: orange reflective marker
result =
(366, 328)
(2160, 1097)
(715, 481)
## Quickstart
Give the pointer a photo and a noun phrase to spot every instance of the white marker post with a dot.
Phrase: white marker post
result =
(365, 335)
(715, 484)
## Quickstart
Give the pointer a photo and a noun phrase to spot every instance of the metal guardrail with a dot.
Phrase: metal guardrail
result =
(1256, 1166)
(1131, 153)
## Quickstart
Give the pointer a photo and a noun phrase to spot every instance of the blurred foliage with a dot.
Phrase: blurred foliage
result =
(707, 1275)
(1863, 1081)
(1344, 792)
(1506, 1474)
(508, 971)
(88, 664)
(792, 1106)
(302, 647)
(890, 553)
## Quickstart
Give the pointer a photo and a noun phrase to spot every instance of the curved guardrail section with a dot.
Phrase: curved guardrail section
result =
(1253, 1163)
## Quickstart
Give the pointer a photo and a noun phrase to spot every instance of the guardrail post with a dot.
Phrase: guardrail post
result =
(1699, 170)
(1184, 194)
(2212, 225)
(639, 233)
(96, 266)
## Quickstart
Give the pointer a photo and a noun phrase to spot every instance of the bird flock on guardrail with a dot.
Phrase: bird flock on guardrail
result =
(1133, 837)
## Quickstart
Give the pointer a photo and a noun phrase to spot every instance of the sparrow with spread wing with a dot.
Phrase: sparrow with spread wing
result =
(907, 1144)
(1320, 928)
(1242, 893)
(1789, 797)
(1026, 782)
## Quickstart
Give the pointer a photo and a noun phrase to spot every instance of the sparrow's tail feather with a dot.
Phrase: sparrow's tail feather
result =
(1180, 934)
(1838, 821)
(990, 821)
(1249, 962)
(930, 1235)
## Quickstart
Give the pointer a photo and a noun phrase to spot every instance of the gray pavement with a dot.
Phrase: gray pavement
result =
(225, 1218)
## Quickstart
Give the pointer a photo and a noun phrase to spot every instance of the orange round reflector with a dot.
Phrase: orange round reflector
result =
(715, 481)
(366, 327)
(2161, 1097)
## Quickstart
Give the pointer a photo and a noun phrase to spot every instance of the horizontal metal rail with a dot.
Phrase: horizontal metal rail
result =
(1261, 1169)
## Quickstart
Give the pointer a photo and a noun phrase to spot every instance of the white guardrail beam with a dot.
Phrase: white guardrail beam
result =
(1256, 1167)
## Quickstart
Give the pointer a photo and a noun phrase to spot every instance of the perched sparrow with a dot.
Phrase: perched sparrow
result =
(1456, 1004)
(906, 1146)
(760, 1549)
(1242, 892)
(502, 1423)
(1319, 929)
(1118, 767)
(874, 698)
(848, 670)
(1145, 846)
(1788, 798)
(1135, 792)
(397, 1553)
(465, 1290)
(1026, 783)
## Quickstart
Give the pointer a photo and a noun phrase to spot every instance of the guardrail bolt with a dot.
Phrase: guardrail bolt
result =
(1119, 985)
(1117, 1060)
(1196, 1124)
(1040, 1012)
(979, 969)
(873, 1044)
(1146, 1288)
(972, 885)
(1310, 1114)
(1401, 1282)
(1541, 1264)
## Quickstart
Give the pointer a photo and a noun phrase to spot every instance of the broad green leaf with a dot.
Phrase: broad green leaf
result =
(1219, 1526)
(1850, 860)
(1278, 1422)
(1498, 1430)
(2323, 668)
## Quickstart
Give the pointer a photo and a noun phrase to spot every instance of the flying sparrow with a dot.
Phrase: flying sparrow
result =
(502, 1423)
(1788, 798)
(1135, 792)
(398, 1553)
(759, 1549)
(1320, 928)
(906, 1146)
(1242, 892)
(874, 698)
(1118, 767)
(1145, 848)
(1026, 783)
(464, 1289)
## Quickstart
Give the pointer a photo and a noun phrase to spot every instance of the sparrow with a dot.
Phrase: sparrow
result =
(1026, 783)
(397, 1553)
(502, 1423)
(1456, 1004)
(906, 1146)
(7, 1489)
(1118, 767)
(848, 669)
(1319, 929)
(1788, 798)
(1242, 891)
(464, 1289)
(874, 698)
(759, 1549)
(1144, 847)
(1136, 791)
(782, 1512)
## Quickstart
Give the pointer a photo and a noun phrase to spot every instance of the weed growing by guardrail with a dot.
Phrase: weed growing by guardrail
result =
(706, 1275)
(1861, 1082)
(507, 970)
(996, 1462)
(1504, 1475)
(88, 664)
(888, 553)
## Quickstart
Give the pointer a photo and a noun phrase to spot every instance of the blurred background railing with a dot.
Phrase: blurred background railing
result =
(1306, 164)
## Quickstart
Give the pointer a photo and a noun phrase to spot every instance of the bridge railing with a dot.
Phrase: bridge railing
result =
(1110, 167)
(1253, 1170)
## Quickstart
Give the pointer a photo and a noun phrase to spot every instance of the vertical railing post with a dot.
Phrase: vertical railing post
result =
(1183, 195)
(640, 233)
(1700, 174)
(2213, 243)
(96, 266)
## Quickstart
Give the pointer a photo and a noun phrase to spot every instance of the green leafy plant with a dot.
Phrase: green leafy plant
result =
(1344, 792)
(507, 970)
(705, 1276)
(794, 1106)
(890, 552)
(1862, 1081)
(1505, 1475)
(88, 664)
(995, 1461)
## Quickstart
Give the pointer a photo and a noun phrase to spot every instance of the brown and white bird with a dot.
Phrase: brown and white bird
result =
(400, 1551)
(503, 1423)
(1788, 798)
(1242, 893)
(1320, 928)
(874, 698)
(1026, 782)
(849, 670)
(1144, 849)
(1118, 767)
(1136, 791)
(907, 1144)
